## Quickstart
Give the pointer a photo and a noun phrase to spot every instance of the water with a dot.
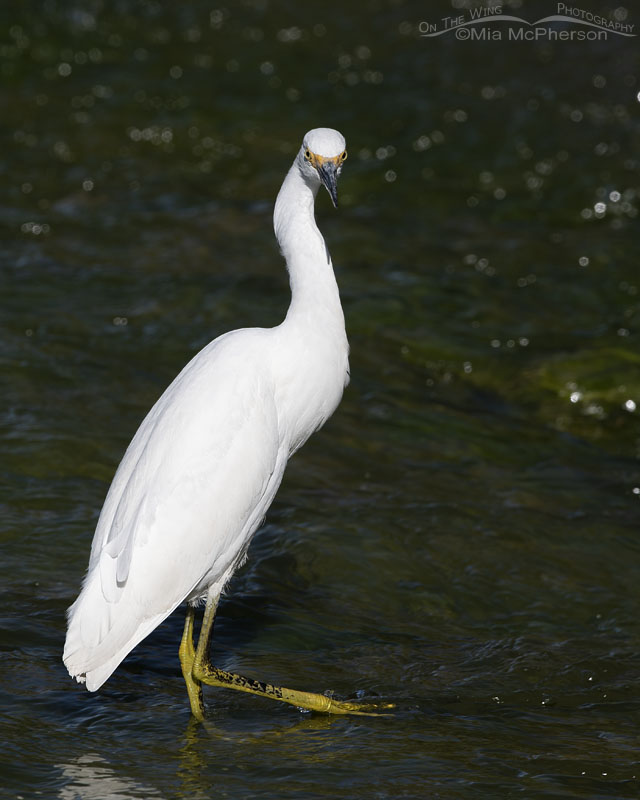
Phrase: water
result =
(461, 539)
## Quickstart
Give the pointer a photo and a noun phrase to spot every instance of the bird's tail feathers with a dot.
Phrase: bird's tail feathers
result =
(100, 635)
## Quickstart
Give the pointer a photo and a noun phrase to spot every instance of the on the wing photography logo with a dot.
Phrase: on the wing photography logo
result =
(568, 23)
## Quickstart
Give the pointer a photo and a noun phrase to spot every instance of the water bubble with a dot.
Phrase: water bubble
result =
(630, 405)
(101, 91)
(595, 410)
(193, 34)
(216, 18)
(35, 228)
(289, 34)
(524, 151)
(533, 181)
(373, 76)
(583, 261)
(575, 397)
(422, 143)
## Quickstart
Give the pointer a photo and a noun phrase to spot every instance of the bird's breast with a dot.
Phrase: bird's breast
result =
(312, 372)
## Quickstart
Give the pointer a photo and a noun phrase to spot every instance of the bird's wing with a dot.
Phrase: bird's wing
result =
(201, 467)
(193, 485)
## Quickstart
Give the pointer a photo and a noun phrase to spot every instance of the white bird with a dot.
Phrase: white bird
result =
(203, 468)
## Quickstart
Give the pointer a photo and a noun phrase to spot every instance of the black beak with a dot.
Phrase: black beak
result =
(328, 172)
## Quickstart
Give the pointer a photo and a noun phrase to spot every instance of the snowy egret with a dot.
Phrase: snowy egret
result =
(205, 464)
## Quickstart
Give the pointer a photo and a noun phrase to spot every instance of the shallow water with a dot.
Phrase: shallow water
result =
(461, 539)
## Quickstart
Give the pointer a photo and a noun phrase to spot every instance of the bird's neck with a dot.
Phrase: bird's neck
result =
(314, 291)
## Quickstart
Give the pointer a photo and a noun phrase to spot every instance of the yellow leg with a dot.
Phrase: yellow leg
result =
(187, 656)
(203, 672)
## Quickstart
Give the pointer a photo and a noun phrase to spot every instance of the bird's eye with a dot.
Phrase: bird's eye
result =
(343, 156)
(307, 155)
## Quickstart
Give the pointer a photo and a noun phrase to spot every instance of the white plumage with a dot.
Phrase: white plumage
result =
(205, 464)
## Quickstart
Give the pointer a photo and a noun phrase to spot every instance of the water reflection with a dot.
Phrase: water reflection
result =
(92, 777)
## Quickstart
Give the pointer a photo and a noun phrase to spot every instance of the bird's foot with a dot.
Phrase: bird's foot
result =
(310, 701)
(326, 704)
(358, 707)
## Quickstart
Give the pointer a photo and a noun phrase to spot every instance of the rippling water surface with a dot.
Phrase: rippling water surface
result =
(462, 538)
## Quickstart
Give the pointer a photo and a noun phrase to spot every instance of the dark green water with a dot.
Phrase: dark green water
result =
(462, 538)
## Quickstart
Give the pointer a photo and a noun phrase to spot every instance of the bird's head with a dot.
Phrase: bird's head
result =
(321, 158)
